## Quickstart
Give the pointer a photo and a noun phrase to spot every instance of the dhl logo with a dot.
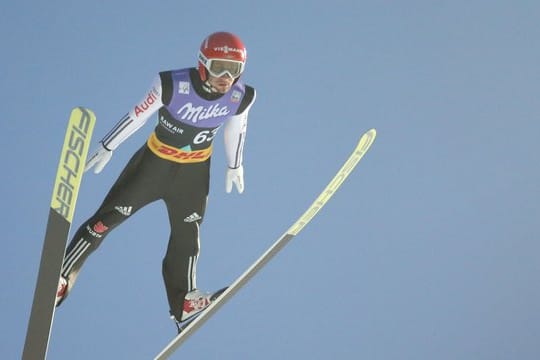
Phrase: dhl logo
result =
(177, 155)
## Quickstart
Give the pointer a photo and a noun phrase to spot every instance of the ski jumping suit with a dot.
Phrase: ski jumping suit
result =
(174, 166)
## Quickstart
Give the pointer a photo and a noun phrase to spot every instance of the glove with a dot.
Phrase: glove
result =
(99, 159)
(236, 177)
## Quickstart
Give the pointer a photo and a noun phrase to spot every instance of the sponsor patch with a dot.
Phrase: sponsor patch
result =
(183, 87)
(236, 96)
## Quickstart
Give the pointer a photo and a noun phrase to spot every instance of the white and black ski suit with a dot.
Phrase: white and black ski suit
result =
(173, 166)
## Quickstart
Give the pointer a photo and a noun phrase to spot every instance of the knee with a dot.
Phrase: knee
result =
(103, 222)
(184, 241)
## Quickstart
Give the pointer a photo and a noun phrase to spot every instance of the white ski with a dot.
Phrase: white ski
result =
(363, 146)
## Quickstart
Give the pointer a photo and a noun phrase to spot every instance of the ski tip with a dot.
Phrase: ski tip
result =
(83, 110)
(367, 139)
(369, 136)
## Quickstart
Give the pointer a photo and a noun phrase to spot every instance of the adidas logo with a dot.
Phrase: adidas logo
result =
(124, 210)
(192, 218)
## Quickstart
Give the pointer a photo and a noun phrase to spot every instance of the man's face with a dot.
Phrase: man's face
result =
(221, 84)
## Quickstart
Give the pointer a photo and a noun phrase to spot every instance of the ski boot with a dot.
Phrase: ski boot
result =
(62, 290)
(195, 302)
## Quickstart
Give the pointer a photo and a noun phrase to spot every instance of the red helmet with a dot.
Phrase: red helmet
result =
(222, 53)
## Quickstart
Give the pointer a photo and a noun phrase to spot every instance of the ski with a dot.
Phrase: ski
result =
(362, 147)
(64, 196)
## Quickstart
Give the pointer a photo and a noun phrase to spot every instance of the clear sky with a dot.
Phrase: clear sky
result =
(428, 251)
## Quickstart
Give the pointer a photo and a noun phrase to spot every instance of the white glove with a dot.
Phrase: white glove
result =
(98, 160)
(236, 177)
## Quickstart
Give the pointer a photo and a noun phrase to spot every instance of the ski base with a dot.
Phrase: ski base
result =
(64, 198)
(362, 147)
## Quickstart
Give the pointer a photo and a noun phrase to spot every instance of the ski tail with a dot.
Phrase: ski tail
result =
(64, 197)
(361, 148)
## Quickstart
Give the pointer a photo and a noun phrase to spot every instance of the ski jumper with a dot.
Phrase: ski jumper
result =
(173, 166)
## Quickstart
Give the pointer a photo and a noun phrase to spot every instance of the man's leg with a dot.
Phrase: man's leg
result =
(186, 211)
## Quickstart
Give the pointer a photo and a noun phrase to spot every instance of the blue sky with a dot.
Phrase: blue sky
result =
(428, 251)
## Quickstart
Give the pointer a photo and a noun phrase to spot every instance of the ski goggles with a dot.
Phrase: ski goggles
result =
(220, 67)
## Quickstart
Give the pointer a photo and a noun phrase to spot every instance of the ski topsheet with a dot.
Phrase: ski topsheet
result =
(363, 146)
(65, 191)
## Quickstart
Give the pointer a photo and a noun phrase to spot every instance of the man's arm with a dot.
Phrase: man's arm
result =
(235, 136)
(127, 125)
(235, 132)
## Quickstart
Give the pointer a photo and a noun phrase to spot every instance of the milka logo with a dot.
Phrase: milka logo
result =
(196, 113)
